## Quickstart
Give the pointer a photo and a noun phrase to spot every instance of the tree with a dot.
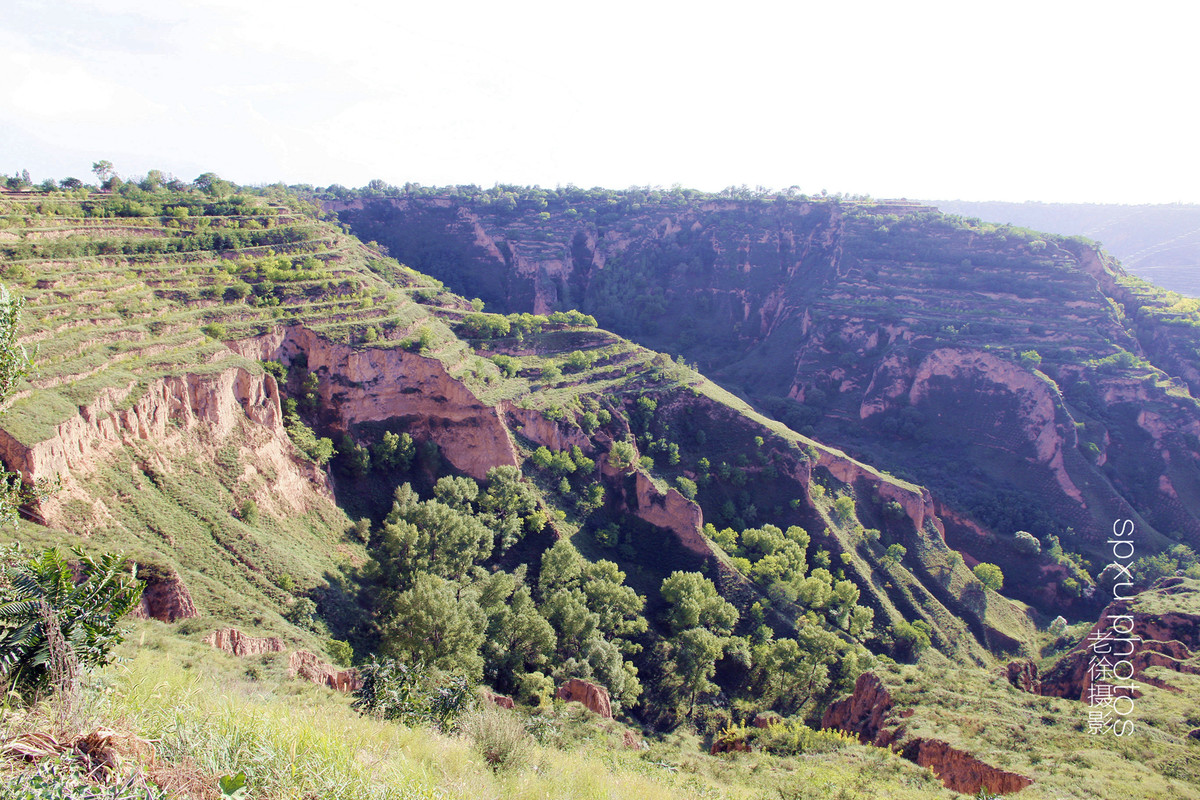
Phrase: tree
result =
(686, 486)
(843, 508)
(510, 506)
(694, 657)
(693, 602)
(894, 555)
(211, 184)
(430, 624)
(792, 672)
(990, 576)
(420, 537)
(911, 639)
(153, 181)
(1026, 543)
(394, 451)
(518, 639)
(103, 170)
(622, 455)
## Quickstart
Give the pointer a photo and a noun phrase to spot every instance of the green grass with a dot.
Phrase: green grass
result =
(210, 714)
(1046, 738)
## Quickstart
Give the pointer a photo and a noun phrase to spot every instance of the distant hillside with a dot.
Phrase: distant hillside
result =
(1160, 243)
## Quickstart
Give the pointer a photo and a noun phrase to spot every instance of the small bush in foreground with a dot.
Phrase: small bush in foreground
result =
(499, 736)
(393, 690)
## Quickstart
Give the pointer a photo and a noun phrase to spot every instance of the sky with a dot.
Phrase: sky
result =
(1055, 101)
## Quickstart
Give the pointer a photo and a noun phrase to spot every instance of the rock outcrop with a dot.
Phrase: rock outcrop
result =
(670, 510)
(1023, 674)
(233, 641)
(498, 700)
(729, 746)
(310, 667)
(358, 385)
(165, 597)
(593, 697)
(1159, 640)
(765, 719)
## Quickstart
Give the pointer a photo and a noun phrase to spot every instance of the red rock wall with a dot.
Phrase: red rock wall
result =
(165, 597)
(308, 666)
(363, 384)
(233, 641)
(961, 771)
(593, 697)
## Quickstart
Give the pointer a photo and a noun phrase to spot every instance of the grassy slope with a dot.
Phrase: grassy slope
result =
(206, 712)
(1047, 739)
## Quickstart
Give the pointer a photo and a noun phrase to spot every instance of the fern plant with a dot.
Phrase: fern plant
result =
(44, 609)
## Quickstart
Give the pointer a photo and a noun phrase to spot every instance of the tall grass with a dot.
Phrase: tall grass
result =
(294, 742)
(287, 750)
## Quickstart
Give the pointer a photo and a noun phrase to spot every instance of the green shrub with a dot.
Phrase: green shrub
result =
(793, 737)
(686, 486)
(319, 451)
(911, 638)
(249, 512)
(394, 690)
(508, 365)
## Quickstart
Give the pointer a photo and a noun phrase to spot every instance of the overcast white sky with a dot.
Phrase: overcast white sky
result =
(1054, 100)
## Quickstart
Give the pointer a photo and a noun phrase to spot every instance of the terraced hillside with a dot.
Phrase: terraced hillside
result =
(1158, 243)
(1024, 378)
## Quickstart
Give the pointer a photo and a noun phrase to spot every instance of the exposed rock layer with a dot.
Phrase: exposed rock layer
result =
(593, 697)
(310, 667)
(233, 641)
(165, 597)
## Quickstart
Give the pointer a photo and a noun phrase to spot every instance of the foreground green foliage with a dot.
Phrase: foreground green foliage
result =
(66, 780)
(50, 623)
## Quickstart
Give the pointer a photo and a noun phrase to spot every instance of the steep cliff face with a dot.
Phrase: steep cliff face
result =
(359, 385)
(594, 698)
(308, 666)
(234, 642)
(173, 414)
